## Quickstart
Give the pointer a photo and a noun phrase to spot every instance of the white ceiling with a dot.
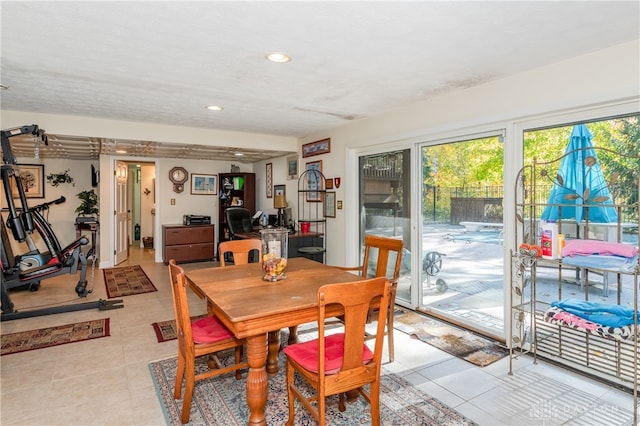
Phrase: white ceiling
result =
(162, 62)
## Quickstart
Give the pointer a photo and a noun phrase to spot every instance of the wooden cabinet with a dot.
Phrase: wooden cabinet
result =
(188, 243)
(234, 188)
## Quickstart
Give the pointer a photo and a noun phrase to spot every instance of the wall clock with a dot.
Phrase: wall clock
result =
(178, 175)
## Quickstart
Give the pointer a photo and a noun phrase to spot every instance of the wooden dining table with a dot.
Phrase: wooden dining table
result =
(256, 310)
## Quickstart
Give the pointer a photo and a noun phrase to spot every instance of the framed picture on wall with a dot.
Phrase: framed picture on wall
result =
(269, 179)
(316, 148)
(292, 167)
(204, 184)
(280, 190)
(330, 204)
(314, 195)
(32, 176)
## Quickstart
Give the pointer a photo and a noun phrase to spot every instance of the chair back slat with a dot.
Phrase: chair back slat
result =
(356, 299)
(384, 246)
(241, 249)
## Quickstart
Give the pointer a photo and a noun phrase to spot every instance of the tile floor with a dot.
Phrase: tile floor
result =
(107, 382)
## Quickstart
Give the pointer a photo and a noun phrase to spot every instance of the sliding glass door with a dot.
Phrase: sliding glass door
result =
(462, 233)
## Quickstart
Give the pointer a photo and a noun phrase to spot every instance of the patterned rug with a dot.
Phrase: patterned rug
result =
(127, 281)
(166, 330)
(52, 336)
(222, 401)
(456, 341)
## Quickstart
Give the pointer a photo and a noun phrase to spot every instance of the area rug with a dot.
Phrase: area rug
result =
(461, 343)
(127, 281)
(222, 401)
(166, 330)
(23, 341)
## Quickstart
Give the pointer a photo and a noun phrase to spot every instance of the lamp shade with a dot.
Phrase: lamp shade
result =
(279, 202)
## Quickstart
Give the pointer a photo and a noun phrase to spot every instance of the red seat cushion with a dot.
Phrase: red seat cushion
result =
(209, 330)
(306, 354)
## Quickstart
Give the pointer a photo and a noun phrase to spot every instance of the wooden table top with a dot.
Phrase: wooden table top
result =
(248, 305)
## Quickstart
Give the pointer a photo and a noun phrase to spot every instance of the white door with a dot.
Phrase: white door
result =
(121, 212)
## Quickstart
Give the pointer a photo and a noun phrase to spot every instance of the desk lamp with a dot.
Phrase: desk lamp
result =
(280, 202)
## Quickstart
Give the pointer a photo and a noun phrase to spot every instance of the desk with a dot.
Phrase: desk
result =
(252, 308)
(311, 244)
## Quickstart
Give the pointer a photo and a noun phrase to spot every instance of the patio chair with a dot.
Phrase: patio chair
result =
(337, 363)
(379, 268)
(205, 336)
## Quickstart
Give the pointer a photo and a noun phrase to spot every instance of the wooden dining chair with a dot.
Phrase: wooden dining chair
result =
(337, 363)
(205, 336)
(241, 250)
(384, 246)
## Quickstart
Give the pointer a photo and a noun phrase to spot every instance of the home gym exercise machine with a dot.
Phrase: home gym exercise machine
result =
(32, 267)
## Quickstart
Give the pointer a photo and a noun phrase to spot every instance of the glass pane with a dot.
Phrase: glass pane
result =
(462, 214)
(547, 147)
(385, 202)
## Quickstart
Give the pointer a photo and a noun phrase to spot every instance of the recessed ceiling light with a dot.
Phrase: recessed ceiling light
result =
(121, 151)
(278, 57)
(214, 108)
(238, 154)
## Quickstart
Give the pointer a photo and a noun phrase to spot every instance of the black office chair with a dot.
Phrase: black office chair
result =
(238, 221)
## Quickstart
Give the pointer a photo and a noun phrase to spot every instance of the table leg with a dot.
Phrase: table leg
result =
(272, 355)
(257, 378)
(293, 334)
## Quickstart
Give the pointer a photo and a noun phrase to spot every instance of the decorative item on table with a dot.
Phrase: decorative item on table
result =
(238, 183)
(279, 203)
(274, 253)
(226, 183)
(305, 227)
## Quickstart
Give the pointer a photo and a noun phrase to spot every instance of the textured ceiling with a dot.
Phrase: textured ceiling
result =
(162, 62)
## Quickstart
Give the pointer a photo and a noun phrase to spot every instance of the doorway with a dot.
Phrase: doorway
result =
(134, 207)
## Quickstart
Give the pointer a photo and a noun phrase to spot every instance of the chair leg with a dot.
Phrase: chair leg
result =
(177, 389)
(374, 401)
(322, 401)
(390, 333)
(342, 406)
(238, 352)
(188, 389)
(290, 395)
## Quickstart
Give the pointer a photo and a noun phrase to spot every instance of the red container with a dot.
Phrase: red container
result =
(305, 227)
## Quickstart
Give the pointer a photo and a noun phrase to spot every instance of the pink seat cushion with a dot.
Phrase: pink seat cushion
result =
(209, 330)
(306, 354)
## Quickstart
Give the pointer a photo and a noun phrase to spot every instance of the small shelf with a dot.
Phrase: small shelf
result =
(311, 208)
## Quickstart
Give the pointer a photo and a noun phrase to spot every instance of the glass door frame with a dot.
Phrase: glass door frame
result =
(418, 282)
